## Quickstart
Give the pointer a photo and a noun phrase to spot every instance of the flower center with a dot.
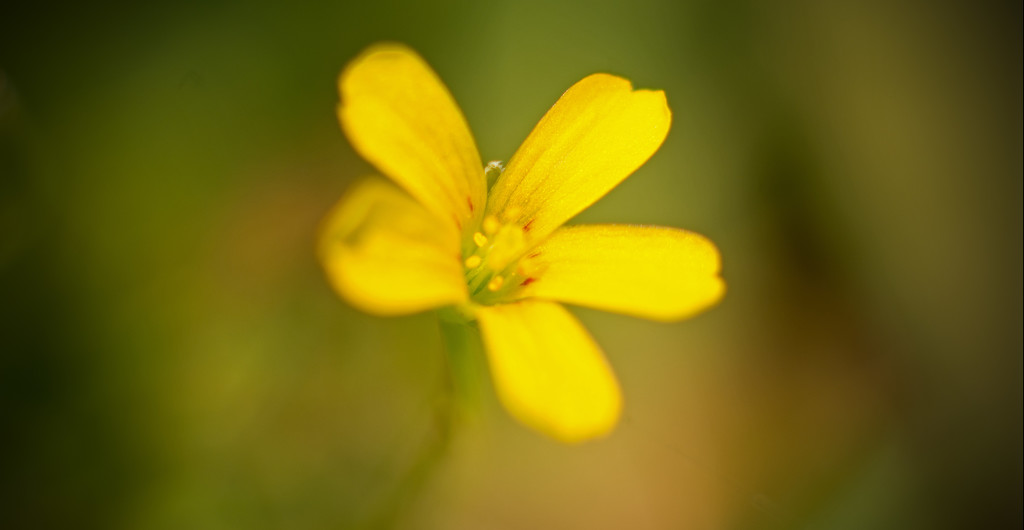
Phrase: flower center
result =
(494, 263)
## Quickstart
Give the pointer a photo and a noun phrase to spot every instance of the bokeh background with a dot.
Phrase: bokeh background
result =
(172, 356)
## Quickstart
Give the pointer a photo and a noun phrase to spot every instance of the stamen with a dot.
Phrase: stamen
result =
(494, 262)
(491, 224)
(512, 213)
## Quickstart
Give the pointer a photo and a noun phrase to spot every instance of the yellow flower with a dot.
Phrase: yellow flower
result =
(501, 255)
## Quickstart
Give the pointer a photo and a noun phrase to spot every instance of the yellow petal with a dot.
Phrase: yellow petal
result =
(647, 271)
(598, 132)
(400, 117)
(548, 372)
(387, 255)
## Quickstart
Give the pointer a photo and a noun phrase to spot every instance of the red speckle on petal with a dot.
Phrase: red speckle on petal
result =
(528, 281)
(469, 201)
(533, 255)
(526, 227)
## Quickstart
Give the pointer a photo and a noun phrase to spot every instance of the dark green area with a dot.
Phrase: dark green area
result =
(171, 356)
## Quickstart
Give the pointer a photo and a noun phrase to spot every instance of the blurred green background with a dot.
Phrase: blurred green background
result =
(172, 356)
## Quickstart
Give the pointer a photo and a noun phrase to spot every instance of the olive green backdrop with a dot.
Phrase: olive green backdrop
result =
(172, 356)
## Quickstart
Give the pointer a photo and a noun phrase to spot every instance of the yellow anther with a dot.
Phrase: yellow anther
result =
(495, 283)
(512, 213)
(491, 224)
(473, 262)
(479, 239)
(527, 266)
(506, 245)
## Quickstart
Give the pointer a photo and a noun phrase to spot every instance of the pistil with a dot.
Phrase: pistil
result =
(494, 263)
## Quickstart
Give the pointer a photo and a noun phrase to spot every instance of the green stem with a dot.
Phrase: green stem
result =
(458, 400)
(464, 353)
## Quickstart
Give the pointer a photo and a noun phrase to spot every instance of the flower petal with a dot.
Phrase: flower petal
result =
(548, 372)
(647, 271)
(400, 117)
(595, 135)
(387, 255)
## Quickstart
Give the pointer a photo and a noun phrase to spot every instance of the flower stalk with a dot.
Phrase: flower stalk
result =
(456, 404)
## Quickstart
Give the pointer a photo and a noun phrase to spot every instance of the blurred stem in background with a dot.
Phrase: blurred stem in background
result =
(456, 403)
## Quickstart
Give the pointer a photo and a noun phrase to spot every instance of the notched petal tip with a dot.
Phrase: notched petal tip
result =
(599, 132)
(612, 82)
